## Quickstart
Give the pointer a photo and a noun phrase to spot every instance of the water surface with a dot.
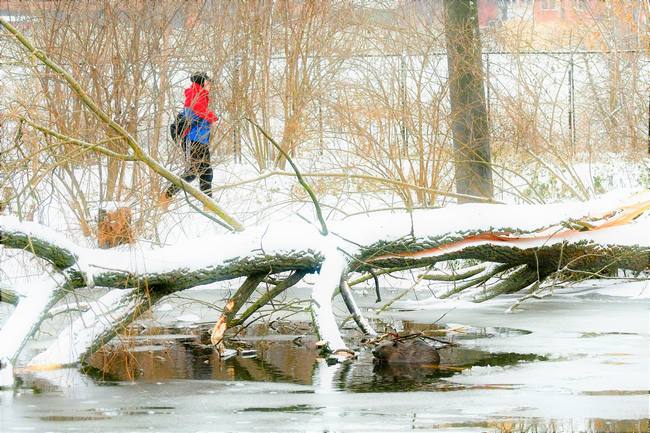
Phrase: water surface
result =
(563, 364)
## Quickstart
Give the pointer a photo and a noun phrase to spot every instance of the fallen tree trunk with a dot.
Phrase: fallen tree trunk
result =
(94, 328)
(527, 244)
(233, 305)
(26, 319)
(9, 297)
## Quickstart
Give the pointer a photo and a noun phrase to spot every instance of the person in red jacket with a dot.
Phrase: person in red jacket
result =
(196, 139)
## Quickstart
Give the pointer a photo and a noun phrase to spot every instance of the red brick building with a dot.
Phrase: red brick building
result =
(545, 11)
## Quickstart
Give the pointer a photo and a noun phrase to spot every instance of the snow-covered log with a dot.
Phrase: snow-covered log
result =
(330, 276)
(173, 268)
(527, 243)
(26, 319)
(92, 326)
(8, 296)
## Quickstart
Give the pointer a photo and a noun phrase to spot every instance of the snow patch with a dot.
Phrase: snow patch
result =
(6, 373)
(328, 280)
(74, 340)
(25, 316)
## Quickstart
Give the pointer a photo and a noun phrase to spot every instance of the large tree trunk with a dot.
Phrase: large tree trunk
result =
(467, 93)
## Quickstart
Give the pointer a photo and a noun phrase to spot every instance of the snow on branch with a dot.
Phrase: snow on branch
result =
(523, 244)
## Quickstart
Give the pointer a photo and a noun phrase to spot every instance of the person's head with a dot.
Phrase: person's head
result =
(202, 79)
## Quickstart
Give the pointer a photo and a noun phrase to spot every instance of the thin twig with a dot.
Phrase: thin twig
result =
(301, 180)
(88, 146)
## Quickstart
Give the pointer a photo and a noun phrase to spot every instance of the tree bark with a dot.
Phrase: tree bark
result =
(233, 305)
(471, 133)
(9, 296)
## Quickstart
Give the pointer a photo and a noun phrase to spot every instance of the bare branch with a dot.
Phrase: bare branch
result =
(87, 146)
(139, 153)
(301, 180)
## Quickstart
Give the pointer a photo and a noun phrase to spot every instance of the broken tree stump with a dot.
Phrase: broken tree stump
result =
(114, 227)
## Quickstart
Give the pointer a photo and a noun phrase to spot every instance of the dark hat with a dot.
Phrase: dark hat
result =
(200, 78)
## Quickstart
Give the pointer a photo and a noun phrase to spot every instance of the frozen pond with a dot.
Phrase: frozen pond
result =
(577, 361)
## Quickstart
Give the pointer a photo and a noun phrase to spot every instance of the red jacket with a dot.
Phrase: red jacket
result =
(197, 99)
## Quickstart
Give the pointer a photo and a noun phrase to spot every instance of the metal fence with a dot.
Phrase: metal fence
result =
(580, 100)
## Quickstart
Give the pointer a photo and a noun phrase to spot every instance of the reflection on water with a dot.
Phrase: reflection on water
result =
(167, 354)
(81, 418)
(168, 379)
(162, 376)
(294, 408)
(277, 359)
(100, 414)
(536, 425)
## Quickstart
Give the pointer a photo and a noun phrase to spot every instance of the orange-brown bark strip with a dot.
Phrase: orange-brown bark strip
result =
(623, 216)
(233, 305)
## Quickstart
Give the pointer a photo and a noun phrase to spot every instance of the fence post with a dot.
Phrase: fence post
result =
(403, 128)
(319, 73)
(572, 106)
(236, 132)
(487, 88)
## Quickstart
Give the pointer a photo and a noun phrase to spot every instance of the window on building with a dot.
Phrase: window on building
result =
(549, 4)
(580, 5)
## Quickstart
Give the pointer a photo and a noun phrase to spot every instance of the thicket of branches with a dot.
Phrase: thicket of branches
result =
(363, 89)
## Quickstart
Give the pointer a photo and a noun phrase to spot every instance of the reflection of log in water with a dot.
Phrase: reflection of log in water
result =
(275, 361)
(294, 362)
(417, 373)
(279, 360)
(147, 363)
(412, 351)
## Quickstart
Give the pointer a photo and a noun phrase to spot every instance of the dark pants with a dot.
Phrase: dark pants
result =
(197, 160)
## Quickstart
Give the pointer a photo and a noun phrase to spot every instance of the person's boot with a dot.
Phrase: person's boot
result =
(164, 200)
